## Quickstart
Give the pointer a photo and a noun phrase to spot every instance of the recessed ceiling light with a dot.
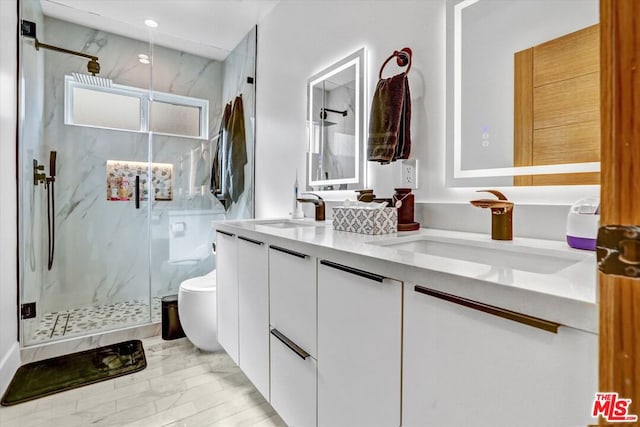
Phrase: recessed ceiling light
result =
(150, 23)
(143, 58)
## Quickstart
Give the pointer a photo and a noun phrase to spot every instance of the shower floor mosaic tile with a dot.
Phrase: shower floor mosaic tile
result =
(83, 320)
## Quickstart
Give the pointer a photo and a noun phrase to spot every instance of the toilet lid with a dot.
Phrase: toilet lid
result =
(200, 284)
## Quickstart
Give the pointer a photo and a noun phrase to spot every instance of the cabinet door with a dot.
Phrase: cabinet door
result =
(467, 367)
(293, 383)
(227, 292)
(254, 312)
(292, 291)
(359, 344)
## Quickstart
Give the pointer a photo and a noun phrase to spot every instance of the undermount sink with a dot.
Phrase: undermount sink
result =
(502, 255)
(288, 224)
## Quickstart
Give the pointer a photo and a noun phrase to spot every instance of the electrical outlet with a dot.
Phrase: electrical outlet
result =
(409, 176)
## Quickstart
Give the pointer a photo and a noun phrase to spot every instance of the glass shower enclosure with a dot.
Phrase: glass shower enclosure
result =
(115, 207)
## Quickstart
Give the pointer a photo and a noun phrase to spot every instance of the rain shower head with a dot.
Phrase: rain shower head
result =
(324, 123)
(88, 79)
(93, 67)
(28, 29)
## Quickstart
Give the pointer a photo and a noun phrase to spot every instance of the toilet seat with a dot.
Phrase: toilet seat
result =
(199, 284)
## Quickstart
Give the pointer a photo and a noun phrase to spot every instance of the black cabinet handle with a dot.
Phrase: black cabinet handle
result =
(137, 191)
(535, 322)
(286, 341)
(351, 270)
(288, 251)
(246, 239)
(225, 233)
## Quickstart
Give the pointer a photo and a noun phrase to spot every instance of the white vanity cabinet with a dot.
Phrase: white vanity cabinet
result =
(253, 311)
(359, 347)
(466, 363)
(227, 292)
(292, 297)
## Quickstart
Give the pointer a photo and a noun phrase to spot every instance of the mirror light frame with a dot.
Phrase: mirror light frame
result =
(458, 172)
(358, 59)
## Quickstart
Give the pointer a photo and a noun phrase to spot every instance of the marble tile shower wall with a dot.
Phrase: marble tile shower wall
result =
(101, 247)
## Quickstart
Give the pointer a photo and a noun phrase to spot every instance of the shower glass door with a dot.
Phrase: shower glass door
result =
(84, 242)
(94, 259)
(189, 95)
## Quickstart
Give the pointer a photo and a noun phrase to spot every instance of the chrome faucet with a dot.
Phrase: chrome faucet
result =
(319, 203)
(501, 214)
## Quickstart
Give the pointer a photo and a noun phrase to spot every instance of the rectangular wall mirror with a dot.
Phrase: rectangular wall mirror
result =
(335, 123)
(523, 94)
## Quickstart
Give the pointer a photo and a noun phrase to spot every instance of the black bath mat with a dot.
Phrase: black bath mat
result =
(50, 376)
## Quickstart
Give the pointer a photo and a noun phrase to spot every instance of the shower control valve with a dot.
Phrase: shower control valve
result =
(38, 178)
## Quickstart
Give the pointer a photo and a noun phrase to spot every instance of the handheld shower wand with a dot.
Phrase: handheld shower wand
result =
(51, 208)
(52, 165)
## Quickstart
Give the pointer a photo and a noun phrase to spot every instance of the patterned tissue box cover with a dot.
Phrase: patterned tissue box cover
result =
(365, 221)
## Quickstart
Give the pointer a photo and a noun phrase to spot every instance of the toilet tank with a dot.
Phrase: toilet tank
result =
(191, 234)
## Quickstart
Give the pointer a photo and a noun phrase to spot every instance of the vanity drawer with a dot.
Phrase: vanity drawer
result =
(293, 383)
(292, 293)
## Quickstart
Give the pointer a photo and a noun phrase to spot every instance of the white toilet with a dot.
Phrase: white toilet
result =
(197, 311)
(190, 237)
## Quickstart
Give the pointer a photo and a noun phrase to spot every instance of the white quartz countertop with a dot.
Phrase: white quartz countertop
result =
(541, 278)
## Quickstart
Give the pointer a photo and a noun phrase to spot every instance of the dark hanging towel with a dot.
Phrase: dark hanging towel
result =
(237, 150)
(390, 121)
(218, 170)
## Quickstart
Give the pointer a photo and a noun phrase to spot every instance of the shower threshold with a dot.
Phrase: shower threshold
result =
(92, 319)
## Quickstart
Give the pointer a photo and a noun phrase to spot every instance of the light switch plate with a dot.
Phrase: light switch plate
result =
(409, 175)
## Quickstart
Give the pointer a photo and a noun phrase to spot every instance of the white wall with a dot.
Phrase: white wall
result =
(299, 38)
(9, 351)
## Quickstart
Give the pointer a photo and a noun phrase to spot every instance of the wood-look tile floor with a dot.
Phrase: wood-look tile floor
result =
(181, 387)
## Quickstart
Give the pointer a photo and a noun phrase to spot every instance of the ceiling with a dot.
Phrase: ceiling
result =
(209, 28)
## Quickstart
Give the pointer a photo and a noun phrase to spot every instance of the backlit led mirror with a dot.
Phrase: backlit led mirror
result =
(335, 125)
(523, 96)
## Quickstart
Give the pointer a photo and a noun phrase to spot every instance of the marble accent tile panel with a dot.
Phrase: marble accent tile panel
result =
(121, 177)
(180, 387)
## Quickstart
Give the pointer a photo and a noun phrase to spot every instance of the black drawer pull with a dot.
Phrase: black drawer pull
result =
(225, 233)
(361, 273)
(535, 322)
(246, 239)
(286, 341)
(288, 251)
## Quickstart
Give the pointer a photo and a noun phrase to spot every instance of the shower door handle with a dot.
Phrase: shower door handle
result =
(137, 192)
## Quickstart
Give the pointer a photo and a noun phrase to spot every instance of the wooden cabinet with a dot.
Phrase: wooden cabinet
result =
(464, 366)
(227, 292)
(359, 343)
(253, 312)
(292, 290)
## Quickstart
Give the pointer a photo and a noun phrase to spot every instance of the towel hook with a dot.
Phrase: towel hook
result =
(403, 57)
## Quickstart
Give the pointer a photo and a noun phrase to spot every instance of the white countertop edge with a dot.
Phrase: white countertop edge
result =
(574, 305)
